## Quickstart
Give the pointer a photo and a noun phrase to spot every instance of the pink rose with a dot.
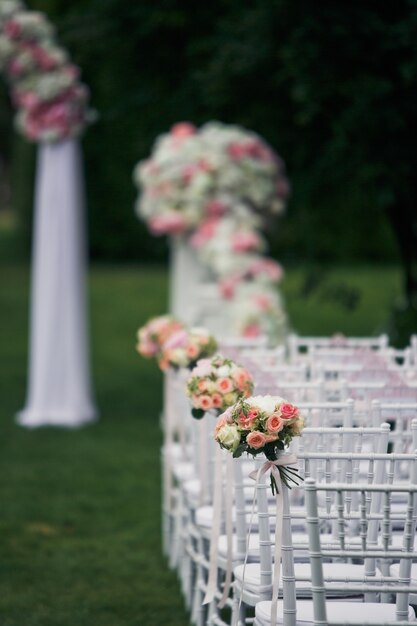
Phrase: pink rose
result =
(275, 423)
(192, 351)
(269, 267)
(252, 330)
(241, 377)
(177, 340)
(245, 241)
(246, 421)
(12, 29)
(203, 368)
(223, 419)
(224, 385)
(237, 151)
(228, 286)
(183, 130)
(205, 403)
(146, 349)
(256, 439)
(215, 208)
(262, 301)
(217, 400)
(205, 232)
(173, 223)
(202, 385)
(288, 411)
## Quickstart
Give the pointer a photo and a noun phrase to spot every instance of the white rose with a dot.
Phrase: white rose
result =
(223, 371)
(266, 404)
(229, 437)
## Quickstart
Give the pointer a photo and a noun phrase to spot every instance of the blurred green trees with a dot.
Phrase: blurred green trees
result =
(331, 85)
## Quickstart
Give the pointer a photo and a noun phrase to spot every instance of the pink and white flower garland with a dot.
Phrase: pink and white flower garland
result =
(196, 175)
(51, 102)
(219, 185)
(217, 383)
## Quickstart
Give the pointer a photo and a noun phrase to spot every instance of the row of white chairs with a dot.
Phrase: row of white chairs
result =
(208, 502)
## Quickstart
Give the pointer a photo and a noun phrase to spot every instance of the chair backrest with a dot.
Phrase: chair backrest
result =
(297, 344)
(369, 549)
(328, 414)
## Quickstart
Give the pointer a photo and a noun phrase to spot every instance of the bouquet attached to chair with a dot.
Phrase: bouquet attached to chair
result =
(263, 424)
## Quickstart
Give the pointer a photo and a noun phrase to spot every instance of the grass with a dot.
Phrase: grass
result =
(80, 511)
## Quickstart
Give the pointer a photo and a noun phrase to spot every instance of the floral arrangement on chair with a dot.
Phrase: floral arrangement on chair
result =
(155, 333)
(51, 103)
(261, 424)
(185, 347)
(217, 383)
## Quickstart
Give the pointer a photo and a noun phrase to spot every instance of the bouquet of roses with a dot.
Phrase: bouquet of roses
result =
(155, 333)
(217, 383)
(261, 424)
(185, 347)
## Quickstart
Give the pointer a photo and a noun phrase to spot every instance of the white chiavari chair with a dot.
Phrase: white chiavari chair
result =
(365, 580)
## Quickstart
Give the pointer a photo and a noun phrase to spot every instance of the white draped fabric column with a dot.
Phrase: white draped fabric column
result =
(187, 275)
(59, 391)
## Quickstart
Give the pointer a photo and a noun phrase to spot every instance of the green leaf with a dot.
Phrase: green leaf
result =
(240, 450)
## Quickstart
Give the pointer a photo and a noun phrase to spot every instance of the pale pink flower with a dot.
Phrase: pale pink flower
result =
(192, 351)
(245, 241)
(217, 400)
(173, 224)
(288, 411)
(203, 368)
(177, 340)
(256, 439)
(269, 267)
(215, 208)
(224, 385)
(275, 423)
(181, 130)
(205, 402)
(252, 330)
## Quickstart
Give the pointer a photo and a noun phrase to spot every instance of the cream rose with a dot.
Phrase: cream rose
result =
(229, 436)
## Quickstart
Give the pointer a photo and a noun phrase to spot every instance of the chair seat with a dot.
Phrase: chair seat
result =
(352, 613)
(394, 571)
(253, 553)
(332, 571)
(204, 518)
(183, 470)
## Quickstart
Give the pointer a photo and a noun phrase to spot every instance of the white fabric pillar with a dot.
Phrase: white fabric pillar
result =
(187, 274)
(59, 391)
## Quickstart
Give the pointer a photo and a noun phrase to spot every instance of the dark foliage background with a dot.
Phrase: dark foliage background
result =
(331, 85)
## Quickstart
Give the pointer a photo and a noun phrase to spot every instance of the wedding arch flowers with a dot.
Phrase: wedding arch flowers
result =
(218, 186)
(198, 175)
(217, 383)
(51, 102)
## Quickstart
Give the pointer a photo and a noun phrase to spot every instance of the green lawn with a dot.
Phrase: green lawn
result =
(80, 511)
